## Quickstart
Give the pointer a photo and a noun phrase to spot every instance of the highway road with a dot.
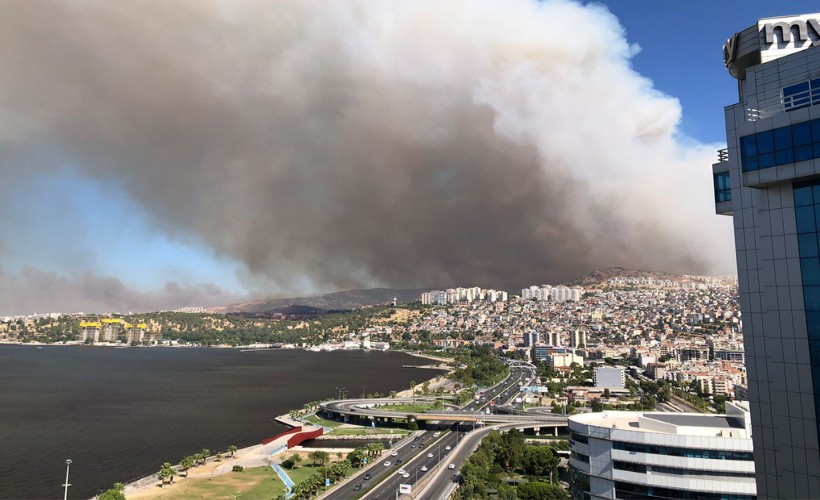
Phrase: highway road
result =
(426, 462)
(415, 455)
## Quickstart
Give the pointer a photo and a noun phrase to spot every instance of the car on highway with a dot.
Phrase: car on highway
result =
(399, 461)
(451, 466)
(394, 454)
(405, 475)
(413, 446)
(424, 468)
(448, 448)
(436, 434)
(422, 445)
(387, 464)
(367, 477)
(429, 455)
(402, 472)
(357, 487)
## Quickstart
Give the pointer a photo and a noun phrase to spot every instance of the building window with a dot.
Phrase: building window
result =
(780, 146)
(631, 467)
(673, 451)
(807, 214)
(580, 438)
(580, 457)
(629, 490)
(723, 190)
(801, 95)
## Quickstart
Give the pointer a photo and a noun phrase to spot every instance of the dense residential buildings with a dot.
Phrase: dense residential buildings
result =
(618, 454)
(767, 180)
(462, 296)
(555, 294)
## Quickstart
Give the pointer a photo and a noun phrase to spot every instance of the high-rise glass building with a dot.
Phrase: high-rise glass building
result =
(768, 180)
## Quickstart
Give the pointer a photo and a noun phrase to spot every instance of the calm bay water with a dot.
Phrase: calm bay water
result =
(118, 414)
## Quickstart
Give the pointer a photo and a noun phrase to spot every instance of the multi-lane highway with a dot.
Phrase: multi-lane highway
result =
(425, 460)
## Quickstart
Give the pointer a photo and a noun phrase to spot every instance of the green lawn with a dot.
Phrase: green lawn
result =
(316, 419)
(302, 472)
(368, 430)
(255, 483)
(406, 408)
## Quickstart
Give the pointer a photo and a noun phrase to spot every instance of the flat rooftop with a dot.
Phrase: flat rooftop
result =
(667, 423)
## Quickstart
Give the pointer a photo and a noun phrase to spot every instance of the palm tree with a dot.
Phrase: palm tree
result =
(186, 464)
(232, 450)
(167, 471)
(413, 387)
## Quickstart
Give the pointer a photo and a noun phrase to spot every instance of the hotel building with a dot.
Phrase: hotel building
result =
(621, 454)
(768, 180)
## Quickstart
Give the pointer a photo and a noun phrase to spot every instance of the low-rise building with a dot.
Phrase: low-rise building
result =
(619, 454)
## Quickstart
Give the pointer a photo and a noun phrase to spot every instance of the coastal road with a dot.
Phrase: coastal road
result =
(423, 464)
(406, 453)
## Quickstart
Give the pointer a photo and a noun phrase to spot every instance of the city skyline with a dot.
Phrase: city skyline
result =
(198, 167)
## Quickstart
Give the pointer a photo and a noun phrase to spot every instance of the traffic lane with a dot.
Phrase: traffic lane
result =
(405, 452)
(444, 478)
(389, 487)
(414, 470)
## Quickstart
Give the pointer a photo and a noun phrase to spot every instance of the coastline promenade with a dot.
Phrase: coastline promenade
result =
(260, 455)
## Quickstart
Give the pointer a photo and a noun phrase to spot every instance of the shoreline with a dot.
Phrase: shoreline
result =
(259, 455)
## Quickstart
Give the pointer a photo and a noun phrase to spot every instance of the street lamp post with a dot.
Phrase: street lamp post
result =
(67, 465)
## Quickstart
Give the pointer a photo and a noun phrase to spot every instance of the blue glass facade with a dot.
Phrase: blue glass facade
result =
(780, 146)
(723, 190)
(807, 215)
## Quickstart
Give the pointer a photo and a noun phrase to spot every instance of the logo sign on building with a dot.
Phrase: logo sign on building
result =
(405, 488)
(780, 36)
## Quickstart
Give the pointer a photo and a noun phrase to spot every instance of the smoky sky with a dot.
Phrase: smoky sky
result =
(343, 144)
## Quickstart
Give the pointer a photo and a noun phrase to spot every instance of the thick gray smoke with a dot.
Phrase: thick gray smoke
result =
(331, 145)
(32, 290)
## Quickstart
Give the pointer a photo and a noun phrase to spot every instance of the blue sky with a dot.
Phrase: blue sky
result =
(681, 51)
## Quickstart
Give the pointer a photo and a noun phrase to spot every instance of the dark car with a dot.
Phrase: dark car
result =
(357, 487)
(399, 461)
(422, 445)
(367, 477)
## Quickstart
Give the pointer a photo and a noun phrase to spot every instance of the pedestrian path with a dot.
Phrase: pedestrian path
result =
(285, 479)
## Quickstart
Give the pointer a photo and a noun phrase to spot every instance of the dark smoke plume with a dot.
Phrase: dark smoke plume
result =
(332, 145)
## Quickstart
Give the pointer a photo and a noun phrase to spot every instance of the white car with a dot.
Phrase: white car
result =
(447, 448)
(387, 464)
(394, 454)
(405, 475)
(402, 472)
(424, 468)
(429, 455)
(451, 466)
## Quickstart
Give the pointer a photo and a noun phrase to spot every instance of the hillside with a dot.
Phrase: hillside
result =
(602, 275)
(351, 299)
